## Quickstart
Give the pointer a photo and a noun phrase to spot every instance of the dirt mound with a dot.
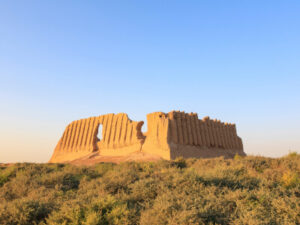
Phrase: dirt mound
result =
(96, 158)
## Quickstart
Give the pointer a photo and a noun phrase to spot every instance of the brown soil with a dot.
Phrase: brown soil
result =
(96, 158)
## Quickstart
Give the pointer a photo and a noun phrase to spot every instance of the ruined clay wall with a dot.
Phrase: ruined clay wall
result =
(78, 140)
(80, 137)
(187, 129)
(190, 136)
(176, 133)
(157, 136)
(121, 135)
(169, 135)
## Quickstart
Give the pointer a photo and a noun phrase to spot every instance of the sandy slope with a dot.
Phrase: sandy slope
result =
(95, 158)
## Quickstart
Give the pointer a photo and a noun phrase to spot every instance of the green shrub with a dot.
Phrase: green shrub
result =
(291, 179)
(244, 190)
(180, 163)
(69, 182)
(25, 212)
(292, 154)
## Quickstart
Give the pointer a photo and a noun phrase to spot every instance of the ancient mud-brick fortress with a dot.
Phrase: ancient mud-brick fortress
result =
(169, 135)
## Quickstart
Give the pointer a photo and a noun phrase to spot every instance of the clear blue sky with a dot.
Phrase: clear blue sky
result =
(238, 61)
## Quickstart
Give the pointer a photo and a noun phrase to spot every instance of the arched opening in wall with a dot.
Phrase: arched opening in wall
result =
(144, 127)
(99, 135)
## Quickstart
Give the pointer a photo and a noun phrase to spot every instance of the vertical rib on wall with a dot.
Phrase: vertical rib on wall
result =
(117, 131)
(194, 128)
(179, 128)
(187, 129)
(78, 136)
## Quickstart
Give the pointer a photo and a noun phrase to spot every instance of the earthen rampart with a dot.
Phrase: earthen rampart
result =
(169, 135)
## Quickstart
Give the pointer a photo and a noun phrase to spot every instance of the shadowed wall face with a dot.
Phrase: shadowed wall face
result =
(187, 129)
(169, 135)
(182, 134)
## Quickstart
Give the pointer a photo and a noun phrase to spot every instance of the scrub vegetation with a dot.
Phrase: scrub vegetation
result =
(243, 190)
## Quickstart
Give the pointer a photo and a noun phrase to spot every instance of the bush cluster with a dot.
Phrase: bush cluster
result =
(243, 190)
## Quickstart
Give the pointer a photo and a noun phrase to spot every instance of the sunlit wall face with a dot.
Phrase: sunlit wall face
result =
(234, 61)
